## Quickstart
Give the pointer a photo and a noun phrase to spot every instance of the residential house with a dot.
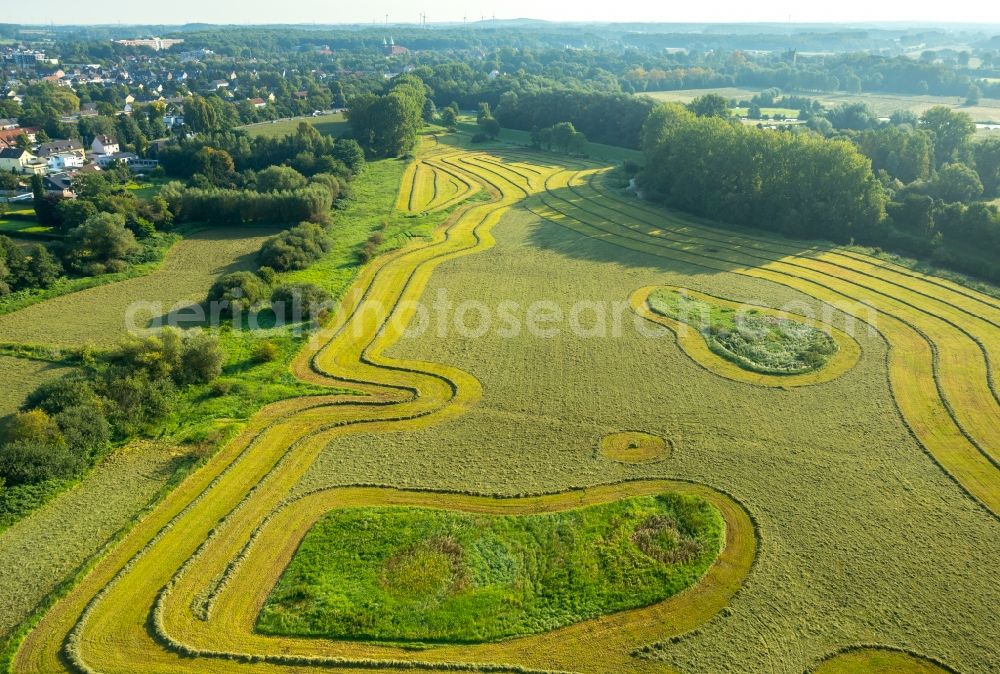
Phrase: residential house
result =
(133, 161)
(173, 120)
(59, 184)
(71, 146)
(8, 124)
(64, 161)
(258, 103)
(104, 145)
(16, 160)
(9, 137)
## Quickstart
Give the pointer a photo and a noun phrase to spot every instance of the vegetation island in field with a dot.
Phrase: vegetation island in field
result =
(428, 575)
(751, 339)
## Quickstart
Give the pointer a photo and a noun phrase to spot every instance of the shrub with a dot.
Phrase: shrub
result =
(296, 248)
(102, 239)
(300, 301)
(138, 400)
(267, 274)
(280, 178)
(239, 291)
(329, 181)
(32, 461)
(266, 352)
(57, 395)
(33, 425)
(201, 360)
(85, 429)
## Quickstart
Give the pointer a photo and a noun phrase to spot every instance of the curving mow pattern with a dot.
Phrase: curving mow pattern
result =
(697, 348)
(428, 186)
(944, 339)
(182, 591)
(879, 660)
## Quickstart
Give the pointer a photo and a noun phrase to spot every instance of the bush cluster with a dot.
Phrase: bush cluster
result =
(66, 424)
(296, 248)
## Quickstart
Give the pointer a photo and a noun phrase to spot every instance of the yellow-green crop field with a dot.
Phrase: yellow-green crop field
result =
(860, 502)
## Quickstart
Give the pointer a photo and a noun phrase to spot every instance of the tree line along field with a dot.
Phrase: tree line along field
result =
(844, 502)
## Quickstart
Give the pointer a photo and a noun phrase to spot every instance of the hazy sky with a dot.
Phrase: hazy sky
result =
(339, 11)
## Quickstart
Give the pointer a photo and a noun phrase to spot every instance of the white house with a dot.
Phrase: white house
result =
(105, 145)
(61, 162)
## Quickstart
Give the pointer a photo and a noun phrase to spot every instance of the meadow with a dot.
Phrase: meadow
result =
(749, 337)
(331, 124)
(20, 376)
(99, 314)
(439, 576)
(860, 509)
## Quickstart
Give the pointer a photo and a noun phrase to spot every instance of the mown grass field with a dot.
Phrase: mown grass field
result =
(20, 377)
(99, 314)
(51, 544)
(859, 510)
(332, 124)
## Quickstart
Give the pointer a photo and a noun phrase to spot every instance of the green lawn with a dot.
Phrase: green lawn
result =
(331, 125)
(429, 575)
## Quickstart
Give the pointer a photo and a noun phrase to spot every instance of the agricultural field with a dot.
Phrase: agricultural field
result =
(100, 314)
(332, 124)
(988, 110)
(858, 506)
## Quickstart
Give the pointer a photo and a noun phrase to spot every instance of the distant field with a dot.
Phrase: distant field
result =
(98, 314)
(884, 104)
(331, 125)
(523, 138)
(20, 377)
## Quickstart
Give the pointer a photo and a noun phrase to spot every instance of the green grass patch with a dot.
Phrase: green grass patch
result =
(333, 124)
(747, 337)
(428, 575)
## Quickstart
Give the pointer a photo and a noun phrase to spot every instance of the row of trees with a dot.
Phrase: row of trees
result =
(799, 184)
(613, 119)
(233, 206)
(218, 156)
(805, 185)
